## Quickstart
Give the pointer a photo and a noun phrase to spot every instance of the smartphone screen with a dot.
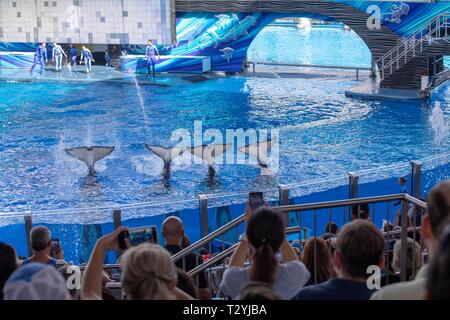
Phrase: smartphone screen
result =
(54, 247)
(141, 235)
(255, 200)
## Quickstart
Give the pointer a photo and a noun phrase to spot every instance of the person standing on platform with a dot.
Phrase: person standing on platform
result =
(150, 52)
(73, 53)
(86, 55)
(40, 57)
(57, 55)
(108, 58)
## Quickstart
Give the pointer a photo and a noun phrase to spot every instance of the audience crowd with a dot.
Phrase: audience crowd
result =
(354, 262)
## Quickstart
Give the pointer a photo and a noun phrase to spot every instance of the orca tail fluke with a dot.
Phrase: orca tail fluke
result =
(90, 155)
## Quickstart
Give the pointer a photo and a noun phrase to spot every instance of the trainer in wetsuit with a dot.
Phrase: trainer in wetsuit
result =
(150, 51)
(40, 57)
(57, 55)
(86, 55)
(73, 53)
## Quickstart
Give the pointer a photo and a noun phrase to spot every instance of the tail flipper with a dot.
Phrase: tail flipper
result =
(90, 155)
(166, 154)
(210, 152)
(259, 151)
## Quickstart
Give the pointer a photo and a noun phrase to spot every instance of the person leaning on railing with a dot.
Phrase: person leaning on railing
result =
(433, 224)
(265, 236)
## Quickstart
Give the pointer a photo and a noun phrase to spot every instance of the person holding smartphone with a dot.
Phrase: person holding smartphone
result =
(264, 238)
(45, 249)
(148, 272)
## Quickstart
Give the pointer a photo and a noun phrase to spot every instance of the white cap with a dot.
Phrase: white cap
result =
(36, 281)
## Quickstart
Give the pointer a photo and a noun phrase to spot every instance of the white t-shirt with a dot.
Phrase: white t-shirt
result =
(290, 277)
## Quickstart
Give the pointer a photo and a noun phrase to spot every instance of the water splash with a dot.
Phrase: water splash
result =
(440, 125)
(141, 101)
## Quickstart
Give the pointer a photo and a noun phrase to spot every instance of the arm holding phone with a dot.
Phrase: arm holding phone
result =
(92, 281)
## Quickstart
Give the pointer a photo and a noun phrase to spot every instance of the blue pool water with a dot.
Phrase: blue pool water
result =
(321, 132)
(321, 46)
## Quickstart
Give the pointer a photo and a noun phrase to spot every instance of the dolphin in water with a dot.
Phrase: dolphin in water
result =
(209, 153)
(259, 151)
(166, 154)
(90, 155)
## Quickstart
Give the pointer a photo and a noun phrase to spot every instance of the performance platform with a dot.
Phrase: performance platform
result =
(16, 60)
(166, 63)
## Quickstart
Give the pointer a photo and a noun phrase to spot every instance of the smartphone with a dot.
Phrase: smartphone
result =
(54, 247)
(137, 236)
(255, 199)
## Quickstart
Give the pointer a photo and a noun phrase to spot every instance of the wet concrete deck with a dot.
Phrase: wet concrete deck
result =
(370, 89)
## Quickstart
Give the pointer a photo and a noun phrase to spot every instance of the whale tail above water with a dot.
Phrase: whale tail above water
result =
(166, 154)
(90, 155)
(209, 152)
(259, 151)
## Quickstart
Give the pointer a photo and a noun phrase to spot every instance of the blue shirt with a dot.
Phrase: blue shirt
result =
(150, 50)
(73, 52)
(335, 289)
(41, 52)
(52, 262)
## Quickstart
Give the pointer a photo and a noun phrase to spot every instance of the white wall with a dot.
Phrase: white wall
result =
(86, 21)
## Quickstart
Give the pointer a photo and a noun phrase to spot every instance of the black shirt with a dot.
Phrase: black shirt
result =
(335, 289)
(190, 262)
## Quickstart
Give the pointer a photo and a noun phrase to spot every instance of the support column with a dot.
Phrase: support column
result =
(416, 179)
(28, 225)
(203, 213)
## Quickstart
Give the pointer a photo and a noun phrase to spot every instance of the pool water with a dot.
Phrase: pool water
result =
(322, 132)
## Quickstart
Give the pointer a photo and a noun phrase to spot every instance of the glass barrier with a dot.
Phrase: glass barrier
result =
(79, 228)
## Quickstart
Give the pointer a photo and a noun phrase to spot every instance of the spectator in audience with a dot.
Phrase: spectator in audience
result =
(438, 281)
(41, 243)
(258, 291)
(148, 272)
(324, 266)
(413, 258)
(331, 229)
(173, 233)
(8, 264)
(186, 284)
(36, 281)
(265, 236)
(358, 245)
(361, 212)
(433, 223)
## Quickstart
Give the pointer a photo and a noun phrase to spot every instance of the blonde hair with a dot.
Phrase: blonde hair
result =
(147, 273)
(413, 257)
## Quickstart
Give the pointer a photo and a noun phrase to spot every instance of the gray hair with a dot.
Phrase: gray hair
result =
(40, 237)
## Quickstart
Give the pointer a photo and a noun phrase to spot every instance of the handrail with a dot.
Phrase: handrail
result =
(224, 254)
(268, 63)
(297, 207)
(411, 43)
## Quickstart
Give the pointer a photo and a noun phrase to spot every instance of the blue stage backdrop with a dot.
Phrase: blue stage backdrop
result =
(225, 37)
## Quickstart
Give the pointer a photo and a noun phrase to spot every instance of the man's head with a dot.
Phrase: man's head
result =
(70, 45)
(55, 44)
(361, 212)
(43, 44)
(40, 237)
(83, 47)
(358, 245)
(438, 202)
(150, 41)
(402, 181)
(173, 230)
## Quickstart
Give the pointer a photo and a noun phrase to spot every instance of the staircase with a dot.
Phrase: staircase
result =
(409, 48)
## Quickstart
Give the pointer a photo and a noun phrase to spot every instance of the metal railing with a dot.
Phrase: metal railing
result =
(314, 207)
(398, 56)
(286, 64)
